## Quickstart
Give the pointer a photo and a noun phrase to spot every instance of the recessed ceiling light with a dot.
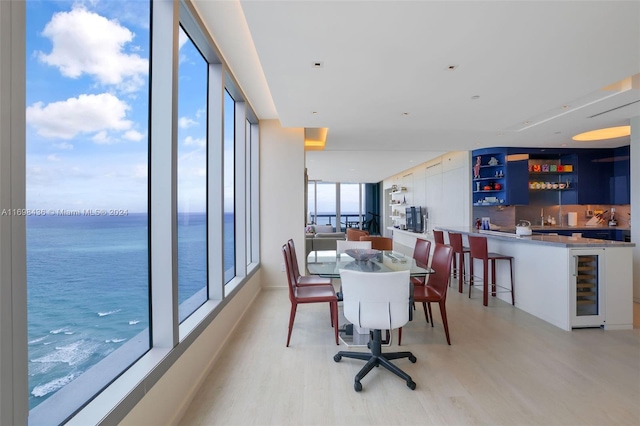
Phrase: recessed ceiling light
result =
(315, 113)
(566, 106)
(526, 122)
(601, 134)
(474, 97)
(317, 64)
(405, 113)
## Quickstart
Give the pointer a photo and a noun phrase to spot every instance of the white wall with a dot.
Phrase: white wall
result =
(443, 185)
(281, 197)
(635, 204)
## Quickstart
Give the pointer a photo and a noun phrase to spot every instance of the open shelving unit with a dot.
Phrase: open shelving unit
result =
(489, 179)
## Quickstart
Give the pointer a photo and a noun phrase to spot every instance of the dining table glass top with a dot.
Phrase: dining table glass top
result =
(327, 264)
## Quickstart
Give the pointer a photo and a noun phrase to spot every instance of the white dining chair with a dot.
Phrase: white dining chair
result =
(380, 301)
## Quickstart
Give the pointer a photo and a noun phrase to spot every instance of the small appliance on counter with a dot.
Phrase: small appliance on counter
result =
(612, 219)
(523, 228)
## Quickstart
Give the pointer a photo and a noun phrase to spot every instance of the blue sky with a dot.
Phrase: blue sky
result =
(87, 108)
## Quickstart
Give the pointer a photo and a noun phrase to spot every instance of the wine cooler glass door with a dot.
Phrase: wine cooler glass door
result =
(586, 293)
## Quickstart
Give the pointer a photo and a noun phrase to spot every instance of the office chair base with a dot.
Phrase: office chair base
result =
(375, 358)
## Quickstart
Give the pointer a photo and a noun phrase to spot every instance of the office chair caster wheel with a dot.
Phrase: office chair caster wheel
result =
(337, 358)
(413, 359)
(358, 386)
(411, 385)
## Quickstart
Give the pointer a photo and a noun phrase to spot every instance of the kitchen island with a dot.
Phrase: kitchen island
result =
(570, 282)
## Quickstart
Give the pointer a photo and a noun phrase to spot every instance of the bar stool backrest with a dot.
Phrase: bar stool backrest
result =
(478, 247)
(455, 241)
(438, 236)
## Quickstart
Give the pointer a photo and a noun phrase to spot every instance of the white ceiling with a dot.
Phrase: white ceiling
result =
(545, 63)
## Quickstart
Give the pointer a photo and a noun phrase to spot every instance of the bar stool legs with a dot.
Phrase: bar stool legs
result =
(455, 240)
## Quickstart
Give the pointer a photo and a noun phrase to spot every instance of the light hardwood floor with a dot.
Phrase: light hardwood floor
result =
(504, 367)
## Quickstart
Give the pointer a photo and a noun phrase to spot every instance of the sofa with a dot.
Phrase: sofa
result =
(323, 239)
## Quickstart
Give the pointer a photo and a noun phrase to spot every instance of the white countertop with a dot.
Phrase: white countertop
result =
(555, 240)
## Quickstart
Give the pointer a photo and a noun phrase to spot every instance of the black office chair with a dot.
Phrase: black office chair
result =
(380, 301)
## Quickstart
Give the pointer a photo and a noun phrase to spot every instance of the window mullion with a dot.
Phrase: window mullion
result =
(215, 176)
(240, 184)
(163, 173)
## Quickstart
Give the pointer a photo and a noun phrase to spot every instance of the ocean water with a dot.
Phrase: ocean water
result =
(88, 289)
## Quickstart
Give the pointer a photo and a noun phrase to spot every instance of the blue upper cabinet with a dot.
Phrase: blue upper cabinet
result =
(595, 175)
(509, 176)
(498, 178)
(620, 184)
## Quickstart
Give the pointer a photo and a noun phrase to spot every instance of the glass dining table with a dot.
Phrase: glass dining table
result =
(328, 264)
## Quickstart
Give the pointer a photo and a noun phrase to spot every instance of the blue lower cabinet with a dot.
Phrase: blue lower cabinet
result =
(600, 234)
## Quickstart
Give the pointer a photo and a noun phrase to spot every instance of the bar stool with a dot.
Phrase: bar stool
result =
(478, 250)
(459, 250)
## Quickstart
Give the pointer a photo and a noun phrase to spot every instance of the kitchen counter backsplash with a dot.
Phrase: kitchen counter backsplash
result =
(509, 216)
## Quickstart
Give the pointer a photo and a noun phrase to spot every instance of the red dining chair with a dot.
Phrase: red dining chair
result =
(436, 288)
(308, 294)
(303, 280)
(421, 253)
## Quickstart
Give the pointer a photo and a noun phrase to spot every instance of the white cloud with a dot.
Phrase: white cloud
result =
(199, 142)
(63, 145)
(84, 114)
(53, 157)
(87, 43)
(102, 138)
(186, 122)
(133, 135)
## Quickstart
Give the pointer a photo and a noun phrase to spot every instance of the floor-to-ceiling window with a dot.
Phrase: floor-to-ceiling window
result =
(87, 99)
(192, 177)
(92, 184)
(323, 199)
(350, 205)
(312, 213)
